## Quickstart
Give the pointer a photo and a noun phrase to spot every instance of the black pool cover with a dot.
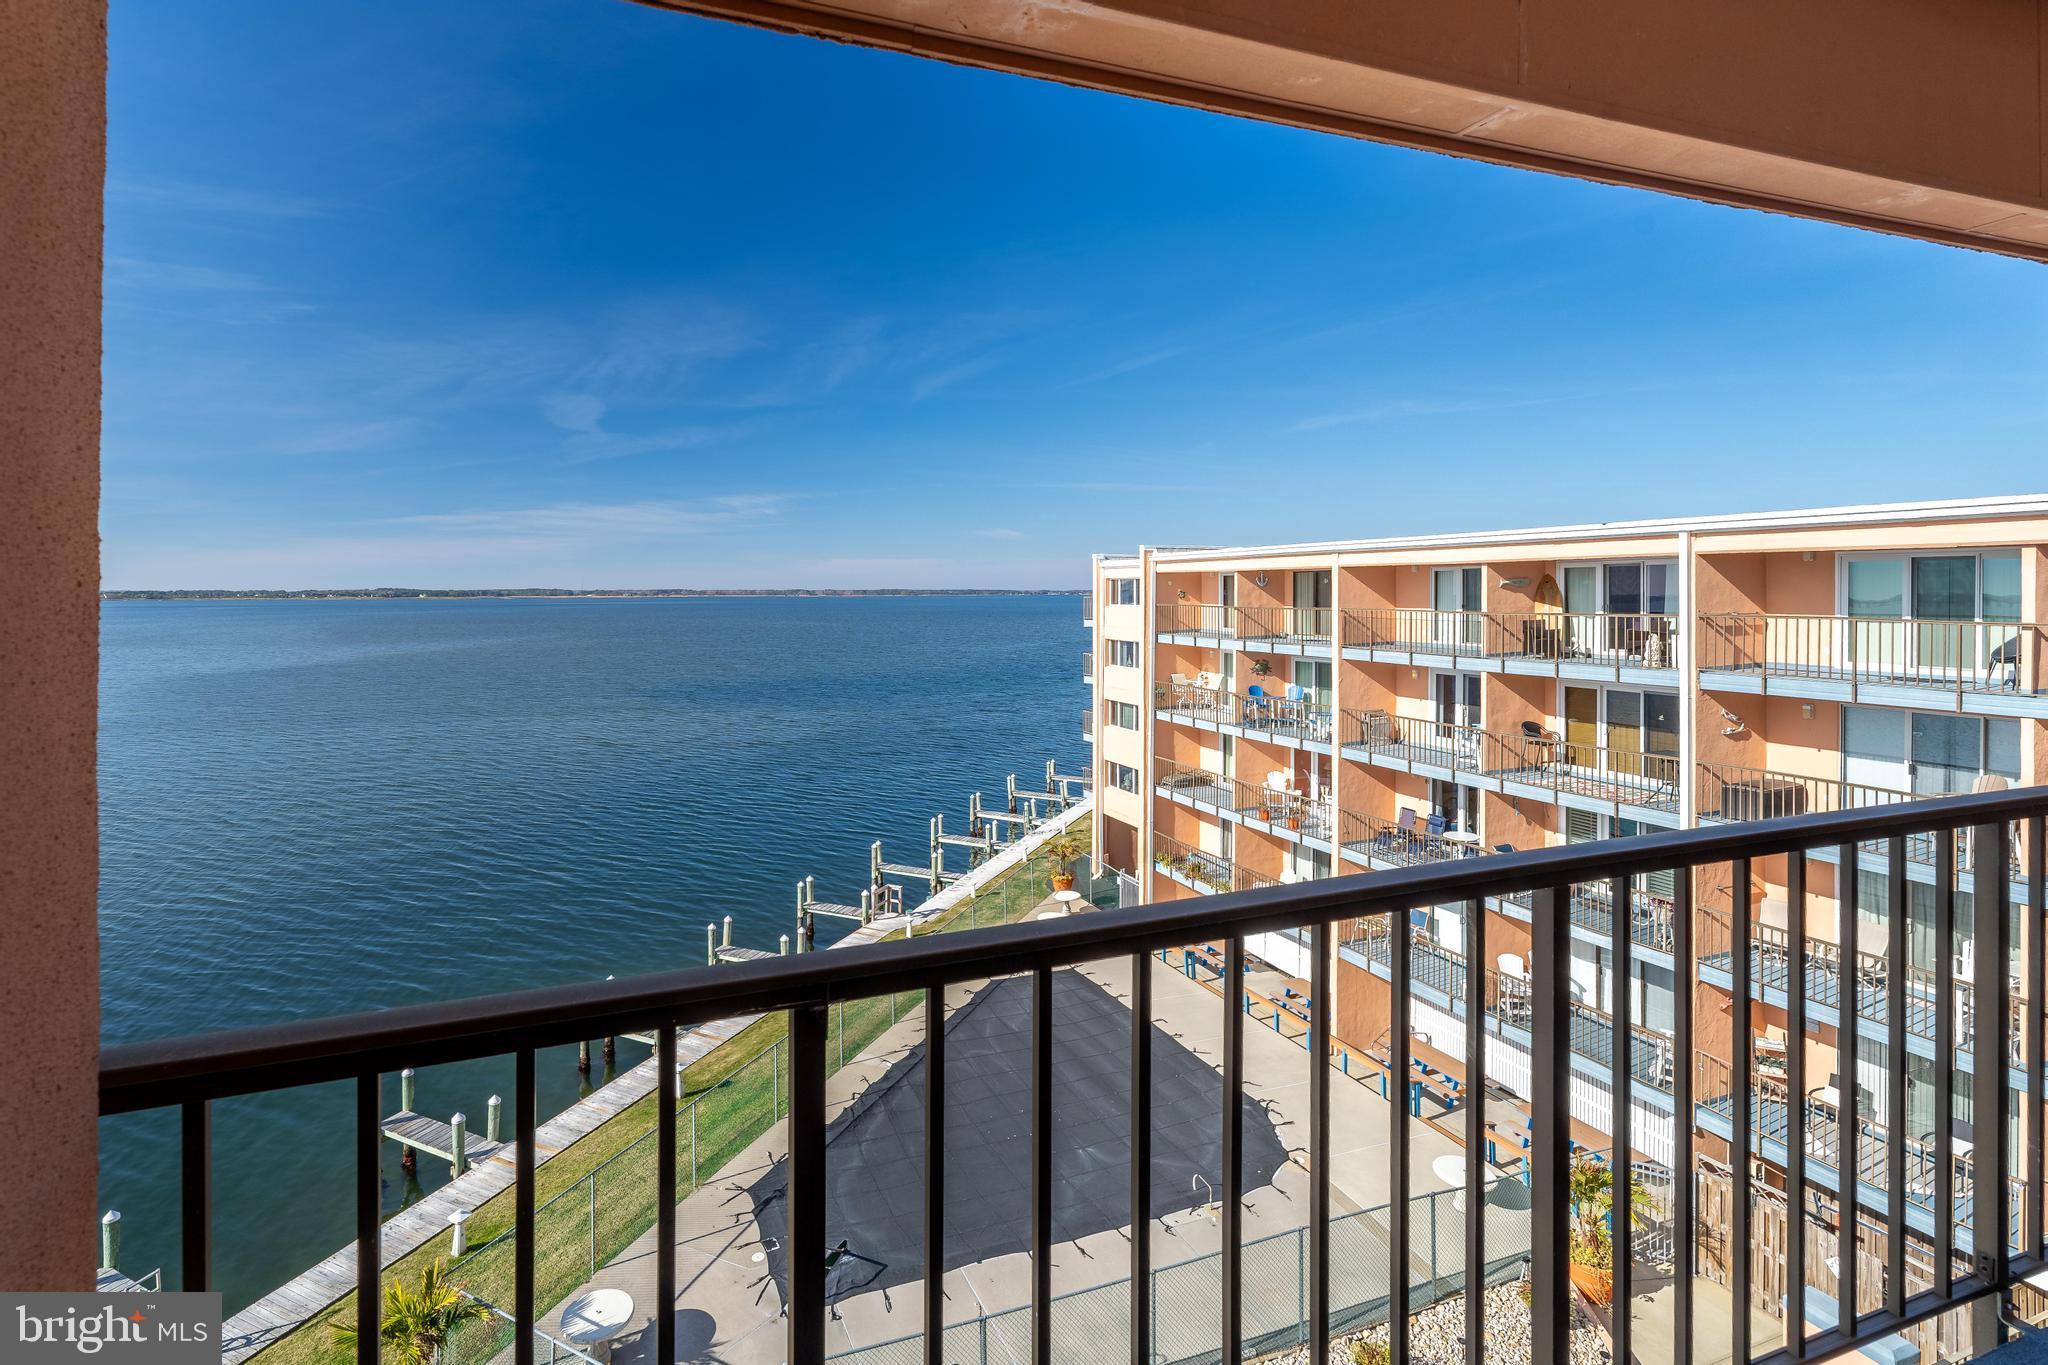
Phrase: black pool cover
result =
(875, 1152)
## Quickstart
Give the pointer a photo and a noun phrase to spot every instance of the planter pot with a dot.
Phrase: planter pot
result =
(1063, 881)
(1592, 1281)
(1265, 814)
(1294, 822)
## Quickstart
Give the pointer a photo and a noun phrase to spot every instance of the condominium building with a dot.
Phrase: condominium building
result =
(1275, 714)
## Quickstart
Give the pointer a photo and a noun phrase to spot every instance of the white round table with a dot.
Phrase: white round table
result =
(1450, 1170)
(1066, 898)
(593, 1319)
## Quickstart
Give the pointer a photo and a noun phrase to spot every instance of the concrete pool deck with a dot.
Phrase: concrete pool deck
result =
(729, 1305)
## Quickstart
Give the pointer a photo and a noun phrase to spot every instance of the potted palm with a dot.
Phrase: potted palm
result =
(418, 1319)
(1062, 849)
(1590, 1191)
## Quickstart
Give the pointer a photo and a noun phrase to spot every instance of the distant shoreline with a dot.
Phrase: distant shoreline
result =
(472, 594)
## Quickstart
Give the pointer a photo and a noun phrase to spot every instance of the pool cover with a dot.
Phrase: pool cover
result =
(875, 1150)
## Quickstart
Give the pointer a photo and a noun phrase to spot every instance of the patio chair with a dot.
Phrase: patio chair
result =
(1257, 701)
(1503, 848)
(1542, 743)
(1437, 825)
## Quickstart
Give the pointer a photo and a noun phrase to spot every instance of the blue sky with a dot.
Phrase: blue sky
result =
(574, 292)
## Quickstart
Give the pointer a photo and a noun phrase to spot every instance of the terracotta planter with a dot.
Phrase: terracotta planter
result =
(1592, 1281)
(1265, 814)
(1063, 881)
(1294, 822)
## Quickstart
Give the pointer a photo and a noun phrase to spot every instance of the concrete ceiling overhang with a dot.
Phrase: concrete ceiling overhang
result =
(1919, 117)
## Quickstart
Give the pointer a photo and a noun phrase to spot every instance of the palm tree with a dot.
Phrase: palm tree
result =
(1590, 1192)
(418, 1320)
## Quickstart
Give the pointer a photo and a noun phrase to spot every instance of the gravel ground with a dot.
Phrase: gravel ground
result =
(1436, 1336)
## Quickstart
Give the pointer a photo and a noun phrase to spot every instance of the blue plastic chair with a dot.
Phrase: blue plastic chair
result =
(1437, 825)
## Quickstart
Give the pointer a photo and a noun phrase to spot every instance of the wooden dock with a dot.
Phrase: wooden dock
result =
(743, 954)
(436, 1138)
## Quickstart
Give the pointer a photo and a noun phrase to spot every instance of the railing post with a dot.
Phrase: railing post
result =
(1990, 1094)
(806, 1306)
(1550, 1073)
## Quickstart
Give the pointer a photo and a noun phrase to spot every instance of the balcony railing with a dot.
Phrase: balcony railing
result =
(1613, 639)
(1291, 811)
(1728, 792)
(1956, 657)
(2003, 1244)
(1088, 610)
(1770, 1121)
(1442, 970)
(1088, 666)
(1390, 842)
(1088, 723)
(1595, 772)
(1252, 627)
(1300, 718)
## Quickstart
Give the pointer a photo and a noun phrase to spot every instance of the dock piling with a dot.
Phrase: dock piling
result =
(785, 945)
(494, 1109)
(458, 1133)
(458, 1240)
(583, 1057)
(728, 931)
(710, 945)
(110, 1240)
(408, 1159)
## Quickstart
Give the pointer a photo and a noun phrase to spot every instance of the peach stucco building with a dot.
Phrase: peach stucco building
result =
(1280, 713)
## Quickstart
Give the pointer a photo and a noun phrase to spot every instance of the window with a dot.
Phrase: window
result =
(1121, 592)
(1932, 587)
(1121, 714)
(1927, 753)
(1123, 778)
(1123, 653)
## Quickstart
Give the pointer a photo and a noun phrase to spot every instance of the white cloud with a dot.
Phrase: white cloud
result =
(1000, 533)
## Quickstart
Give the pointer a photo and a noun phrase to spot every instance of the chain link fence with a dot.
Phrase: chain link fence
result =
(1086, 1323)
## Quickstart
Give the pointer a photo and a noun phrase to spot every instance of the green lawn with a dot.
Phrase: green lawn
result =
(596, 1196)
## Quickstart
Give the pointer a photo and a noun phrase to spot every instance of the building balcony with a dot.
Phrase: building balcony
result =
(1088, 667)
(1915, 1159)
(1287, 814)
(924, 1071)
(1532, 765)
(1088, 611)
(1976, 667)
(1289, 718)
(1440, 972)
(1729, 793)
(1088, 723)
(1208, 873)
(1270, 630)
(1593, 646)
(1930, 1030)
(1380, 844)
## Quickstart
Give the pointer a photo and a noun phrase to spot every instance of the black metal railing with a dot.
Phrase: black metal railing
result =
(1609, 774)
(2000, 1246)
